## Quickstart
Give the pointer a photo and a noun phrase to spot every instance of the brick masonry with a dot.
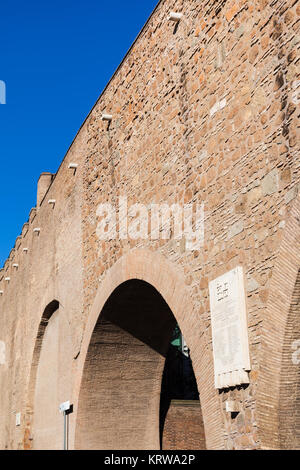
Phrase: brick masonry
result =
(183, 427)
(203, 112)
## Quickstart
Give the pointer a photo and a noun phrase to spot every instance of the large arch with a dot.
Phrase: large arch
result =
(169, 281)
(119, 397)
(278, 381)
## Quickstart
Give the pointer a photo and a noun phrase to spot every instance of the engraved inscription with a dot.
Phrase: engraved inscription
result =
(229, 329)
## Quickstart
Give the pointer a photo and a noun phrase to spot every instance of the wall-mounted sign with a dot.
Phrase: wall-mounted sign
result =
(229, 329)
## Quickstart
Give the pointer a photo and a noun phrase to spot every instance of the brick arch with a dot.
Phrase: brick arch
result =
(277, 319)
(51, 307)
(169, 281)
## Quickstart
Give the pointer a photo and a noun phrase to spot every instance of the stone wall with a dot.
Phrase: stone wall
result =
(204, 111)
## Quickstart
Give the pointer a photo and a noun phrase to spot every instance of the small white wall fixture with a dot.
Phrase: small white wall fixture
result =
(175, 16)
(106, 117)
(232, 406)
(73, 166)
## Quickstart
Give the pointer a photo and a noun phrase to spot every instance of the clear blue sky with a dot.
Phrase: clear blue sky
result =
(55, 58)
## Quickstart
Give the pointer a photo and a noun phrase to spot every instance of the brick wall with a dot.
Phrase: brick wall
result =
(183, 427)
(204, 112)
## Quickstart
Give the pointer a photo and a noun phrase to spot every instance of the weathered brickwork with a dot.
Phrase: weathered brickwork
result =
(289, 417)
(205, 111)
(183, 427)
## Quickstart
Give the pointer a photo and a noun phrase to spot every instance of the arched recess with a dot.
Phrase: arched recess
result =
(50, 311)
(168, 281)
(278, 381)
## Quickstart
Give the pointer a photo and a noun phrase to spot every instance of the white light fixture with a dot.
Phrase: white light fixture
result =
(15, 265)
(36, 230)
(25, 250)
(73, 166)
(175, 16)
(106, 117)
(52, 201)
(7, 279)
(1, 292)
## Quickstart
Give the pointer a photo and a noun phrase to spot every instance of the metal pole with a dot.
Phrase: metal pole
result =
(66, 408)
(65, 431)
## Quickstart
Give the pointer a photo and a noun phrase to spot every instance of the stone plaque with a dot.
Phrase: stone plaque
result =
(229, 329)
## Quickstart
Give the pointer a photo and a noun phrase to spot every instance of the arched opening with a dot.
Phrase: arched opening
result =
(42, 426)
(289, 411)
(119, 403)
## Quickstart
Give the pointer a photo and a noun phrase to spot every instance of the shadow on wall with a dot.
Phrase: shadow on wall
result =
(137, 308)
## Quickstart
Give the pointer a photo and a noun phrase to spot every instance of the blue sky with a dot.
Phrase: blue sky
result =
(55, 59)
